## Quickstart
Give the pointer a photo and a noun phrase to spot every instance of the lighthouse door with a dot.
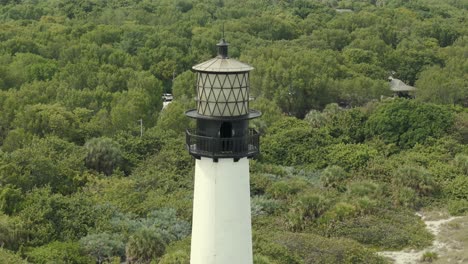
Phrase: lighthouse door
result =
(225, 133)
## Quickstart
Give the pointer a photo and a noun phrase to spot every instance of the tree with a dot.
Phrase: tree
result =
(10, 197)
(291, 141)
(334, 177)
(12, 232)
(184, 86)
(445, 85)
(65, 252)
(350, 156)
(46, 119)
(130, 106)
(102, 247)
(48, 161)
(173, 118)
(407, 122)
(145, 245)
(103, 155)
(7, 256)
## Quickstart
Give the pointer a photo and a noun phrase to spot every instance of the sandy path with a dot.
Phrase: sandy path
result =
(413, 256)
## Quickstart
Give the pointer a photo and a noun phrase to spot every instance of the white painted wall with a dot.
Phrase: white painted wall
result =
(221, 229)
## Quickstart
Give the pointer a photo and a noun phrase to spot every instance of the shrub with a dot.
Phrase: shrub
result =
(407, 122)
(384, 229)
(7, 256)
(342, 211)
(461, 161)
(261, 205)
(260, 259)
(293, 142)
(259, 183)
(308, 208)
(266, 244)
(350, 156)
(405, 196)
(458, 207)
(176, 257)
(429, 256)
(364, 188)
(458, 188)
(316, 249)
(416, 178)
(284, 189)
(366, 205)
(145, 245)
(177, 252)
(12, 232)
(59, 252)
(334, 177)
(103, 155)
(103, 246)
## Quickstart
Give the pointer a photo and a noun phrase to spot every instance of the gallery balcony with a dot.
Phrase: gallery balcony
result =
(217, 147)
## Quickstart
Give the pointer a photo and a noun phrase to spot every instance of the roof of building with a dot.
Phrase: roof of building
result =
(219, 64)
(397, 85)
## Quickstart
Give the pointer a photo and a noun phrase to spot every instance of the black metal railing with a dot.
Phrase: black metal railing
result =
(234, 147)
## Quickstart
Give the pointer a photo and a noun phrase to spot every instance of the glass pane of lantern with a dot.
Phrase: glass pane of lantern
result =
(211, 108)
(245, 107)
(214, 94)
(224, 97)
(232, 95)
(202, 93)
(243, 80)
(217, 80)
(201, 108)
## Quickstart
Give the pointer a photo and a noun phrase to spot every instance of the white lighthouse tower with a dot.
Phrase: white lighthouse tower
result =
(222, 143)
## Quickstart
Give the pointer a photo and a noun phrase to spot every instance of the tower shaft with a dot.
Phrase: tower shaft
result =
(221, 231)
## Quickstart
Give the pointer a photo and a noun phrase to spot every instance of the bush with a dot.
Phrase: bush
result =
(416, 178)
(176, 257)
(103, 246)
(405, 196)
(461, 161)
(259, 183)
(458, 188)
(429, 256)
(364, 188)
(391, 230)
(308, 208)
(334, 177)
(458, 207)
(315, 249)
(59, 252)
(177, 252)
(284, 189)
(266, 244)
(260, 259)
(12, 232)
(293, 142)
(145, 245)
(407, 122)
(7, 256)
(261, 205)
(350, 156)
(103, 155)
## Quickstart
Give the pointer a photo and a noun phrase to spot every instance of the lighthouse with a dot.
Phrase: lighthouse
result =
(222, 144)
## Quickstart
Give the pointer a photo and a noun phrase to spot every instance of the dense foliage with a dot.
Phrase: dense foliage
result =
(342, 167)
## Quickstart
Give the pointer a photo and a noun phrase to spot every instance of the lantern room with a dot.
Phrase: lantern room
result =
(222, 113)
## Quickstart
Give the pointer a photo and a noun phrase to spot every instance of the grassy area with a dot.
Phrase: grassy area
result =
(455, 236)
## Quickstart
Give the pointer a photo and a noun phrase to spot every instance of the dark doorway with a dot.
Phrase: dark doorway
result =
(225, 132)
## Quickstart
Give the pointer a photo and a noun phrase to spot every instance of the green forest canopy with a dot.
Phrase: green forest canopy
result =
(78, 184)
